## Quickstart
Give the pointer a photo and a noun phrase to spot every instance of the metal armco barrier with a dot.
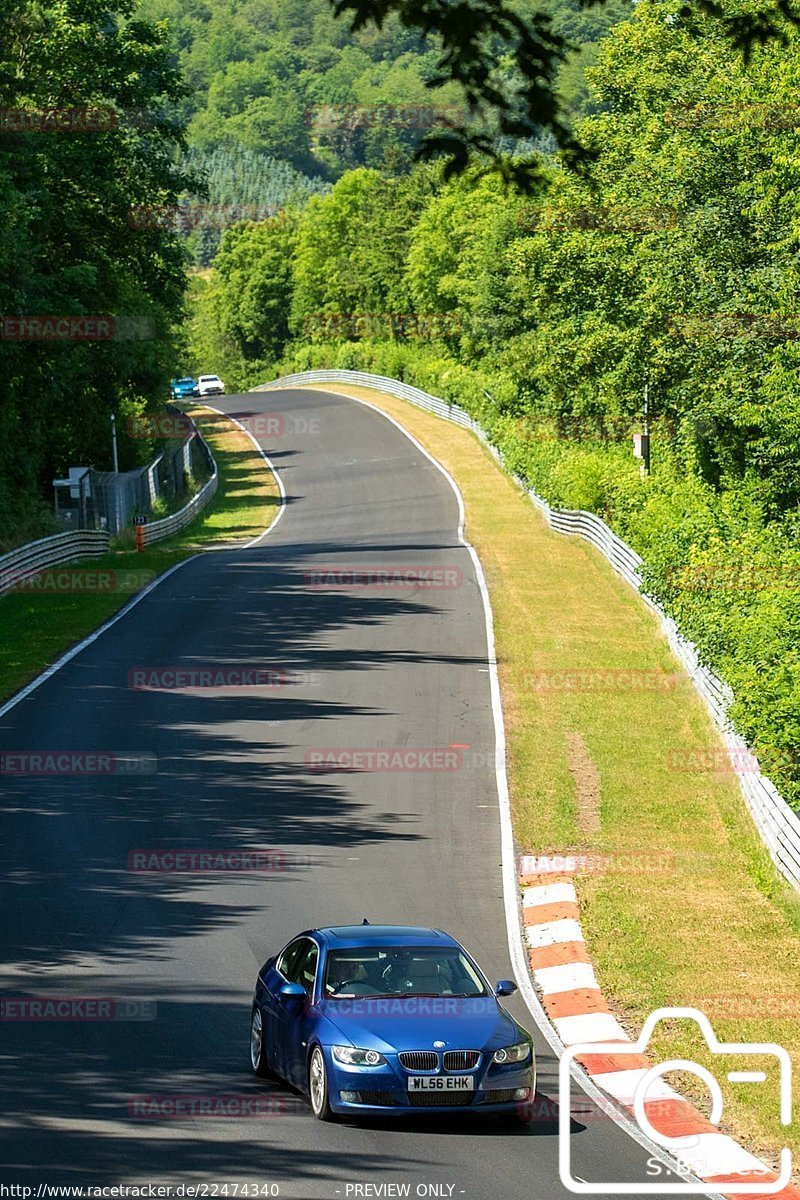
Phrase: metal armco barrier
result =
(29, 560)
(777, 823)
(156, 531)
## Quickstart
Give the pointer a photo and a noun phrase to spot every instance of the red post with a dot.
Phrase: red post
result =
(140, 538)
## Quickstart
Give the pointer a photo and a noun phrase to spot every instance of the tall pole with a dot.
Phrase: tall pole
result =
(646, 439)
(114, 443)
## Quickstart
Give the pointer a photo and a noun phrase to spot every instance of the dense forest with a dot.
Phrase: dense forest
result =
(86, 137)
(282, 97)
(288, 79)
(671, 261)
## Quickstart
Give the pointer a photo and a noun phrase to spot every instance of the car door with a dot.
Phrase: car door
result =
(296, 1014)
(272, 1003)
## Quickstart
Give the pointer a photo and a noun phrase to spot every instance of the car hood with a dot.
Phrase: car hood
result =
(387, 1025)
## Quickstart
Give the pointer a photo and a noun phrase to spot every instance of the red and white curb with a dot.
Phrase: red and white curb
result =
(571, 996)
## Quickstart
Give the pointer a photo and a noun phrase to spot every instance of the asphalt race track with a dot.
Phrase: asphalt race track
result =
(359, 667)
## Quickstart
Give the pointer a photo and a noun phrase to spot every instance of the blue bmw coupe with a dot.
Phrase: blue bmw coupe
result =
(388, 1019)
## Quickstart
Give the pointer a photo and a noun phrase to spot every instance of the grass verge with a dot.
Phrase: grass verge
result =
(37, 627)
(600, 721)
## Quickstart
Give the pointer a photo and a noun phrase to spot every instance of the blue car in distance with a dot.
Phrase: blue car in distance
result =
(179, 389)
(382, 1020)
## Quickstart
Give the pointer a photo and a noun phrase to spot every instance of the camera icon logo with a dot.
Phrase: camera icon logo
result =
(688, 1150)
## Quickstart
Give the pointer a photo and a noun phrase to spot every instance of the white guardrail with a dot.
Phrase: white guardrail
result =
(777, 823)
(31, 559)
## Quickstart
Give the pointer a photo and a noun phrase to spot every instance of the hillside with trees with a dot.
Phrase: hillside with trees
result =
(288, 79)
(230, 110)
(671, 261)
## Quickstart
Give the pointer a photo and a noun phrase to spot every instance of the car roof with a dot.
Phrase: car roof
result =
(345, 937)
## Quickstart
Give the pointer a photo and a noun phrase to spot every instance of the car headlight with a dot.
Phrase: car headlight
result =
(512, 1054)
(351, 1056)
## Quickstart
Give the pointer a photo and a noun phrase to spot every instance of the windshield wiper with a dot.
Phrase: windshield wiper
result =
(414, 995)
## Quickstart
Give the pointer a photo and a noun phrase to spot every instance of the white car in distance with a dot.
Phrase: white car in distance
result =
(210, 385)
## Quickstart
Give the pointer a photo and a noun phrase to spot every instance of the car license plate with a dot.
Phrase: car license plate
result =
(441, 1083)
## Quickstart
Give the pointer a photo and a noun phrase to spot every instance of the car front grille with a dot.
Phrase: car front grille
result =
(461, 1060)
(439, 1099)
(419, 1060)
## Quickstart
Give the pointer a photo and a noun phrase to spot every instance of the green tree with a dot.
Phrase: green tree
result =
(69, 246)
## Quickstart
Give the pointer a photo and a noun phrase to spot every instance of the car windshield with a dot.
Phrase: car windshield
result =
(401, 971)
(209, 378)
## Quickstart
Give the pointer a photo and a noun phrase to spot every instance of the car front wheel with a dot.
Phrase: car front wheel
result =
(258, 1055)
(318, 1086)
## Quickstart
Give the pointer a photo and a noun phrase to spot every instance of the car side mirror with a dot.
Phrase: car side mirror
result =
(505, 987)
(292, 991)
